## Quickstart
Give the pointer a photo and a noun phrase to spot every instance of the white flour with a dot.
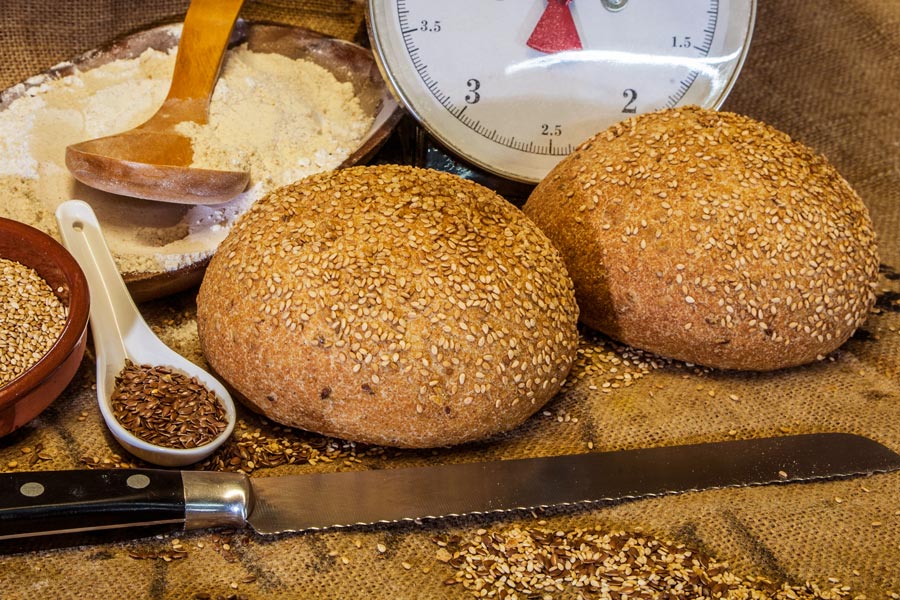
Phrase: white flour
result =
(280, 118)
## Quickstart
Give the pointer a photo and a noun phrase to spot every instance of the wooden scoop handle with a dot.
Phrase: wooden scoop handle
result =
(204, 39)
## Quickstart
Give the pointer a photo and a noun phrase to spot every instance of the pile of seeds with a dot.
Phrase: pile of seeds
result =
(31, 319)
(206, 596)
(606, 365)
(30, 456)
(540, 563)
(167, 408)
(165, 554)
(115, 461)
(252, 449)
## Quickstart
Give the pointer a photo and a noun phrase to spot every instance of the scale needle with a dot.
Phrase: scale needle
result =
(555, 31)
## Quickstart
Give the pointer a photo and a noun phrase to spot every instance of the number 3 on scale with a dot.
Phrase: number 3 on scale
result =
(473, 96)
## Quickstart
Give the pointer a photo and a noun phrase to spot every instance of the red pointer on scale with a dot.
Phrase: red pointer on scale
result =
(555, 31)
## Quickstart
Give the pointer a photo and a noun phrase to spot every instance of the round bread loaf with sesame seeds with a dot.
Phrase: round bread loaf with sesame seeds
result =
(711, 238)
(389, 305)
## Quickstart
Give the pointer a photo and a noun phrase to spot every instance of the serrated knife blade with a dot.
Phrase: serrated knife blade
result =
(367, 497)
(65, 502)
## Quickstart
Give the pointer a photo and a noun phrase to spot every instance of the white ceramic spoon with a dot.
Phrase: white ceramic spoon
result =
(121, 333)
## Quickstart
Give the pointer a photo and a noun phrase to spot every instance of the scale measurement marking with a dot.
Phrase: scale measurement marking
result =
(710, 32)
(529, 146)
(686, 85)
(444, 99)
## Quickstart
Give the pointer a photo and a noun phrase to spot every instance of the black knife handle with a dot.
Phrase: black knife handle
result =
(64, 502)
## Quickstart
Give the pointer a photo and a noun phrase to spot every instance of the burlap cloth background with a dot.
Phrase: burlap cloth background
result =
(826, 72)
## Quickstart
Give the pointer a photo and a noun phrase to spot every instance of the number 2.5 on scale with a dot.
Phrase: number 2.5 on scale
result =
(512, 86)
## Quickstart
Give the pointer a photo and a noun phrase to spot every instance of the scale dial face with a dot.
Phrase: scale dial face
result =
(513, 86)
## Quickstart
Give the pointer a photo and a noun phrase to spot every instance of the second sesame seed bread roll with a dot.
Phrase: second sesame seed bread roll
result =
(389, 305)
(711, 238)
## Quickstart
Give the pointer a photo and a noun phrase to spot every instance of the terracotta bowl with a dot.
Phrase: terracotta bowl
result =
(23, 398)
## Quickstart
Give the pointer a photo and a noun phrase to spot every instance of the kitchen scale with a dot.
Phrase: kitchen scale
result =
(502, 90)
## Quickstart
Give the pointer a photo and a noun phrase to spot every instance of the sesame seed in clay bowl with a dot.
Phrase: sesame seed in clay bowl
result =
(25, 396)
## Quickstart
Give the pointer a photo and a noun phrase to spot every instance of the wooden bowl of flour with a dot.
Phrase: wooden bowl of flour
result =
(164, 248)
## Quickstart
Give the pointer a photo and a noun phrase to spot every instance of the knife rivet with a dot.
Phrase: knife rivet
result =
(138, 481)
(31, 489)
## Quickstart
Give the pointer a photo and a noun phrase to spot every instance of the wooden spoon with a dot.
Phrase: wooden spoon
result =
(153, 160)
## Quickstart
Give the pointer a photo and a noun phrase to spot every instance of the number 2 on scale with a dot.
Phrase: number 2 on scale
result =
(630, 96)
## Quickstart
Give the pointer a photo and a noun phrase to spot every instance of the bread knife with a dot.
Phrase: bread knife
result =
(54, 503)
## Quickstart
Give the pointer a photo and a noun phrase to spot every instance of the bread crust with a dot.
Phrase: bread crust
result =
(389, 305)
(711, 238)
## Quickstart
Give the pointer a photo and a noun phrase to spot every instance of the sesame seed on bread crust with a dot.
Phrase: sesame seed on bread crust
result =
(389, 305)
(712, 238)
